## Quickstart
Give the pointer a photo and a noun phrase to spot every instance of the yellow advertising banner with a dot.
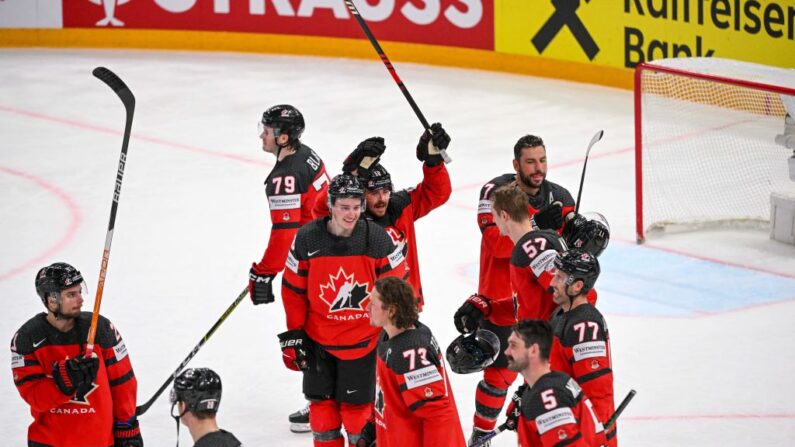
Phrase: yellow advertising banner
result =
(623, 33)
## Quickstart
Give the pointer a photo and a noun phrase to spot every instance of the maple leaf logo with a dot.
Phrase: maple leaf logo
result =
(346, 292)
(81, 397)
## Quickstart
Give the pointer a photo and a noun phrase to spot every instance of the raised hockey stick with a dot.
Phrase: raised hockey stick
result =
(391, 69)
(141, 409)
(127, 98)
(610, 422)
(594, 140)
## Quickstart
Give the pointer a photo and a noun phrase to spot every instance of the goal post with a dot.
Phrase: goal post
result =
(705, 142)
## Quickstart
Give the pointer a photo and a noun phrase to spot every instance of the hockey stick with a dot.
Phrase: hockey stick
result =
(391, 69)
(594, 140)
(619, 410)
(127, 98)
(142, 408)
(610, 422)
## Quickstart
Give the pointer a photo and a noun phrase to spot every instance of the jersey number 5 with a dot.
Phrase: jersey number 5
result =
(548, 397)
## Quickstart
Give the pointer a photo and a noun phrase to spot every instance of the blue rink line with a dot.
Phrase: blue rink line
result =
(636, 280)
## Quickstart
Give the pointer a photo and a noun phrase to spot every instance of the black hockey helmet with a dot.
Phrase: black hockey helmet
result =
(53, 279)
(579, 265)
(473, 352)
(199, 388)
(345, 186)
(285, 119)
(589, 232)
(378, 178)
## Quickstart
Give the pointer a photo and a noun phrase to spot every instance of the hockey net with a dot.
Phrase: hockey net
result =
(705, 150)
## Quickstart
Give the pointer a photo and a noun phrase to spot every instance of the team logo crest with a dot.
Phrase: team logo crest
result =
(110, 10)
(379, 400)
(342, 292)
(81, 397)
(562, 434)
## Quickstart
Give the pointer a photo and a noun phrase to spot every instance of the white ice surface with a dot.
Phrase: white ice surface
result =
(193, 217)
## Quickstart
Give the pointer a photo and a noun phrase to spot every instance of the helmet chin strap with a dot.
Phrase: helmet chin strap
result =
(571, 297)
(177, 418)
(281, 146)
(57, 311)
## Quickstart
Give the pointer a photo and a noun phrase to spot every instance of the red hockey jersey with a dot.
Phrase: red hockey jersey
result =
(328, 280)
(496, 250)
(532, 267)
(581, 349)
(405, 207)
(414, 404)
(292, 188)
(555, 412)
(86, 418)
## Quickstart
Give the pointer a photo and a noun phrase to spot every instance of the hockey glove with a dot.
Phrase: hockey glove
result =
(431, 143)
(260, 287)
(515, 408)
(72, 374)
(295, 349)
(468, 317)
(365, 156)
(574, 222)
(127, 434)
(367, 436)
(549, 217)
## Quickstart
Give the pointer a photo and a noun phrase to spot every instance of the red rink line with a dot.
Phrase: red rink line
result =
(708, 417)
(74, 222)
(70, 204)
(136, 136)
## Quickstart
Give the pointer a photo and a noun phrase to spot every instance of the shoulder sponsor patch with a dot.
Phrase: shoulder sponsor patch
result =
(422, 376)
(396, 257)
(589, 349)
(288, 202)
(543, 262)
(555, 418)
(17, 360)
(484, 206)
(291, 263)
(120, 350)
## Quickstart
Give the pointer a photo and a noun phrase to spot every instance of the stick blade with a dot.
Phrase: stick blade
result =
(598, 136)
(116, 84)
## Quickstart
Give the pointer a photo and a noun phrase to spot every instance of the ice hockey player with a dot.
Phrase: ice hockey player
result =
(550, 409)
(397, 211)
(531, 266)
(581, 346)
(331, 269)
(292, 187)
(414, 402)
(195, 399)
(547, 204)
(75, 400)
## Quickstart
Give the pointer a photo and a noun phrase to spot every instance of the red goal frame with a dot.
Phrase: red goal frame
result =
(638, 87)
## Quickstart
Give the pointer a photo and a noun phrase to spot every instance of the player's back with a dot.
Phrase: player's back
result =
(555, 411)
(532, 266)
(581, 348)
(414, 401)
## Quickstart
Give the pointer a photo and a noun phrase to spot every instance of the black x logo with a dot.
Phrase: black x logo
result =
(565, 15)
